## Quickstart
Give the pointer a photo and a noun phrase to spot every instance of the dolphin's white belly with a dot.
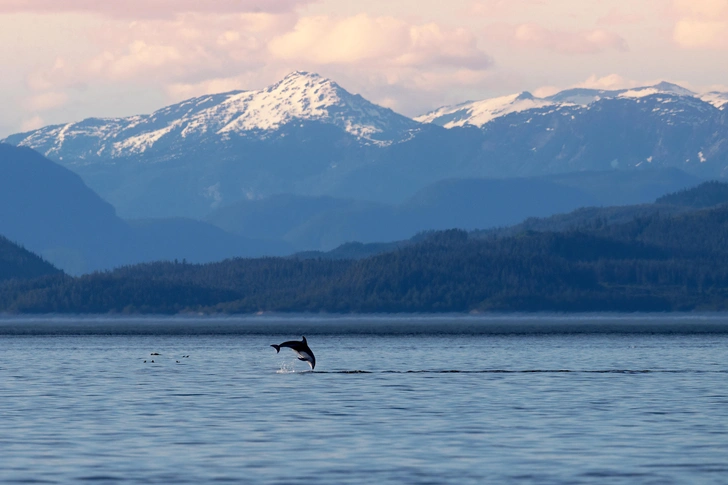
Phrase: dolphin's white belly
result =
(303, 355)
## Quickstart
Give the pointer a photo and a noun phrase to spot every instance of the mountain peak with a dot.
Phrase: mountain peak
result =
(478, 113)
(301, 74)
(673, 88)
(301, 80)
(525, 95)
(660, 88)
(299, 96)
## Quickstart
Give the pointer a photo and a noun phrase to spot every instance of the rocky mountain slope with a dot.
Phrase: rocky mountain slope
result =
(300, 96)
(307, 136)
(478, 113)
(51, 212)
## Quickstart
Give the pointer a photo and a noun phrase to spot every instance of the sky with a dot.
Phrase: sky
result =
(66, 60)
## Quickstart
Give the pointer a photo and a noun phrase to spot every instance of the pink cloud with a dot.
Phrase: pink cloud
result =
(149, 8)
(383, 41)
(490, 8)
(46, 101)
(608, 82)
(532, 35)
(186, 49)
(161, 53)
(199, 53)
(32, 123)
(700, 24)
(618, 17)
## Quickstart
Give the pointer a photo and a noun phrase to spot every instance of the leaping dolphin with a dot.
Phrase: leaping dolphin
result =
(301, 348)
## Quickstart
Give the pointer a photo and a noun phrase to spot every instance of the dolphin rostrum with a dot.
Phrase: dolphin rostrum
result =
(301, 348)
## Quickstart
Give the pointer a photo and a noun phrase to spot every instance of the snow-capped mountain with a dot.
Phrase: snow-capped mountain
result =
(306, 135)
(479, 113)
(300, 96)
(716, 98)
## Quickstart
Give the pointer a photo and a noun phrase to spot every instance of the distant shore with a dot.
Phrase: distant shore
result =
(372, 324)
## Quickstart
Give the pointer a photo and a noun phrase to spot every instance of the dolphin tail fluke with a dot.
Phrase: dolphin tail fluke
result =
(277, 347)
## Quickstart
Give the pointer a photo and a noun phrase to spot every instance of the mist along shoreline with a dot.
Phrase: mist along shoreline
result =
(368, 324)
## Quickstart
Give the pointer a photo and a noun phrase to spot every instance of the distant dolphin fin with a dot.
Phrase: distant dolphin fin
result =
(277, 347)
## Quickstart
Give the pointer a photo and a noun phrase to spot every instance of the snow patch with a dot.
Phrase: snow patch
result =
(213, 192)
(140, 143)
(299, 96)
(478, 113)
(717, 99)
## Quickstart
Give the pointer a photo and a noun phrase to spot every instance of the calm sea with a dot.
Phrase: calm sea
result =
(519, 399)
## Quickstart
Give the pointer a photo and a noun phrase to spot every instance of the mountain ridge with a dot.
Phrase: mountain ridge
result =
(480, 112)
(50, 211)
(16, 262)
(307, 136)
(311, 223)
(303, 96)
(298, 96)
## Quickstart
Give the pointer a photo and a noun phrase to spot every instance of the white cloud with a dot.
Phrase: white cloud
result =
(495, 8)
(701, 24)
(545, 91)
(32, 123)
(197, 54)
(383, 41)
(47, 101)
(181, 91)
(139, 58)
(692, 33)
(149, 8)
(532, 35)
(619, 17)
(701, 8)
(323, 40)
(608, 82)
(188, 49)
(408, 55)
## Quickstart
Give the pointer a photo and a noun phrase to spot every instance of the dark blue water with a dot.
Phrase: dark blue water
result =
(430, 404)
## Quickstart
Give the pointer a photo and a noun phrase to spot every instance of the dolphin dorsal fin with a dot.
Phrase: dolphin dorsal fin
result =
(304, 339)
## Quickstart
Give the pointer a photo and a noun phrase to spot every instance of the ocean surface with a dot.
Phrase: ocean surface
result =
(449, 399)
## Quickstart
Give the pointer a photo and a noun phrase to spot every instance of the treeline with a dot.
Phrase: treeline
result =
(652, 263)
(19, 263)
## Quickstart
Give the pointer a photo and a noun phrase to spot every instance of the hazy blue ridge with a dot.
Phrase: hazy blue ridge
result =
(51, 212)
(655, 261)
(19, 263)
(185, 161)
(705, 195)
(322, 223)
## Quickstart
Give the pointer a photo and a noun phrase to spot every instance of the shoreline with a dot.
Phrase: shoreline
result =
(369, 324)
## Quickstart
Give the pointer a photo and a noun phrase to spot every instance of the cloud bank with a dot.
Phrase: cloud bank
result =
(701, 24)
(150, 8)
(409, 55)
(197, 53)
(581, 42)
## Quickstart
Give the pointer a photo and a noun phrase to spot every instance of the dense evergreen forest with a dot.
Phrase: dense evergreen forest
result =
(654, 262)
(19, 263)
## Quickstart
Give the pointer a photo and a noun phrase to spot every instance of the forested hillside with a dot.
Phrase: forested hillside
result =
(19, 263)
(655, 263)
(668, 256)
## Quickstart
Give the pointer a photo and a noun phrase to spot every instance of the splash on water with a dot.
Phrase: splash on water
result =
(287, 368)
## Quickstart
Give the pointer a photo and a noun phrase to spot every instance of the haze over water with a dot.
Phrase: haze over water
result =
(424, 400)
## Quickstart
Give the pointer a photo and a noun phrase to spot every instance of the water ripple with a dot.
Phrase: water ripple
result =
(593, 409)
